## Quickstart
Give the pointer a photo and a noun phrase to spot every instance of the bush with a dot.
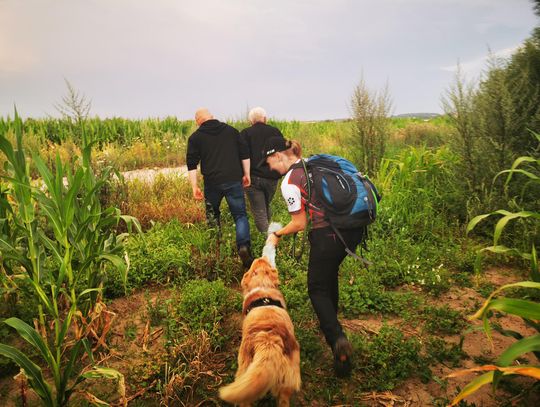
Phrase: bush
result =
(388, 358)
(366, 294)
(203, 305)
(159, 256)
(443, 320)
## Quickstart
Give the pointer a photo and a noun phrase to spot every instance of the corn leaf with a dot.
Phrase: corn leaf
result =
(485, 306)
(525, 345)
(31, 336)
(32, 371)
(472, 386)
(522, 308)
(475, 221)
(102, 372)
(505, 219)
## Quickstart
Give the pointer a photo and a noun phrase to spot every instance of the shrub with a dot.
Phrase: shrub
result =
(388, 358)
(203, 305)
(438, 350)
(159, 256)
(364, 293)
(443, 320)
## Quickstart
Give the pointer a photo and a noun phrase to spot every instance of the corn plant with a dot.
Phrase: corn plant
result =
(527, 309)
(56, 236)
(530, 312)
(532, 172)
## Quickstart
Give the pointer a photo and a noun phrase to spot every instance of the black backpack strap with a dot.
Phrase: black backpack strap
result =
(299, 255)
(365, 262)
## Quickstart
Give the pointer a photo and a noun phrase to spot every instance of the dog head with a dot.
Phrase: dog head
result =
(261, 274)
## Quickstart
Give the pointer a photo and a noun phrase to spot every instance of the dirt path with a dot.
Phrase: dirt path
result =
(149, 174)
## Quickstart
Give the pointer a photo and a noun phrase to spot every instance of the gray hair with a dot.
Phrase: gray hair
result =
(257, 114)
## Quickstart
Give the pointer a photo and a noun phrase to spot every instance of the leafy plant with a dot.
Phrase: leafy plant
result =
(443, 320)
(202, 306)
(62, 220)
(388, 358)
(532, 172)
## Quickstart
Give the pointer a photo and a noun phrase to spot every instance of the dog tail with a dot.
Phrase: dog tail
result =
(257, 380)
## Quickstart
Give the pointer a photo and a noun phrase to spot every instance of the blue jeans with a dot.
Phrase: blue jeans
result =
(233, 193)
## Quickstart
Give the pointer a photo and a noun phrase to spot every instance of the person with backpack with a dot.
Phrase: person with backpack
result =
(263, 180)
(303, 191)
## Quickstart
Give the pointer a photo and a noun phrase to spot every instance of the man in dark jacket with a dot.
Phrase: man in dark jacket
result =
(263, 180)
(225, 163)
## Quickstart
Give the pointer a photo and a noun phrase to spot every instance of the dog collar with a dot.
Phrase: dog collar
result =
(263, 302)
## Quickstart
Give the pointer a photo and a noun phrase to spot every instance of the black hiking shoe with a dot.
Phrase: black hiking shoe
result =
(342, 357)
(245, 255)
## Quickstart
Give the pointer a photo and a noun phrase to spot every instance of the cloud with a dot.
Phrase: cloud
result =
(17, 55)
(299, 59)
(474, 67)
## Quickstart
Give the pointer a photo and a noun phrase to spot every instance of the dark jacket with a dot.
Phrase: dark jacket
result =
(255, 137)
(220, 150)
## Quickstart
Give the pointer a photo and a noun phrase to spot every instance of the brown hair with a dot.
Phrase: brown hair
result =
(293, 148)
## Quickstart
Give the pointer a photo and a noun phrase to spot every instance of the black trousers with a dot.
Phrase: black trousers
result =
(325, 256)
(260, 194)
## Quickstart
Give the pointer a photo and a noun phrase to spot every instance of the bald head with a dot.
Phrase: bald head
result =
(202, 115)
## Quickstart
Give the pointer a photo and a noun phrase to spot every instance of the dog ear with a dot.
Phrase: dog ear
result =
(272, 275)
(245, 280)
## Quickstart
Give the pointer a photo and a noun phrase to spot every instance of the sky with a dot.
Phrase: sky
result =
(299, 59)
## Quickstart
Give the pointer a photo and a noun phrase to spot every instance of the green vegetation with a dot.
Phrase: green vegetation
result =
(65, 253)
(57, 242)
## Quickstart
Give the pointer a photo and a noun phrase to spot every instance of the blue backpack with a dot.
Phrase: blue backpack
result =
(350, 199)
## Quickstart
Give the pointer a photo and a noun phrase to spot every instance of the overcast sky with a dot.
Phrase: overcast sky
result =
(299, 59)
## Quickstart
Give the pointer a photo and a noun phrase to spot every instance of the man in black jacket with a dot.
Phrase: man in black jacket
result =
(225, 163)
(263, 180)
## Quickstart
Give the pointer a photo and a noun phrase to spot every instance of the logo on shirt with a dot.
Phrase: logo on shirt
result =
(290, 201)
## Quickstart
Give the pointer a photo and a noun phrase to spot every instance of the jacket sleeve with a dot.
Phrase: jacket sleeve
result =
(193, 155)
(243, 147)
(245, 139)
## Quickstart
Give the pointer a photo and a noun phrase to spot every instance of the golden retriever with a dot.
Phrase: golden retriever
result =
(269, 355)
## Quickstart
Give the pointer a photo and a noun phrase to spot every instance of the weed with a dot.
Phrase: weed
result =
(160, 256)
(130, 332)
(156, 309)
(192, 372)
(312, 346)
(203, 305)
(364, 293)
(165, 198)
(388, 358)
(438, 350)
(443, 320)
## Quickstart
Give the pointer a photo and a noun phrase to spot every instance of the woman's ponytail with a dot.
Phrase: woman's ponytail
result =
(294, 148)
